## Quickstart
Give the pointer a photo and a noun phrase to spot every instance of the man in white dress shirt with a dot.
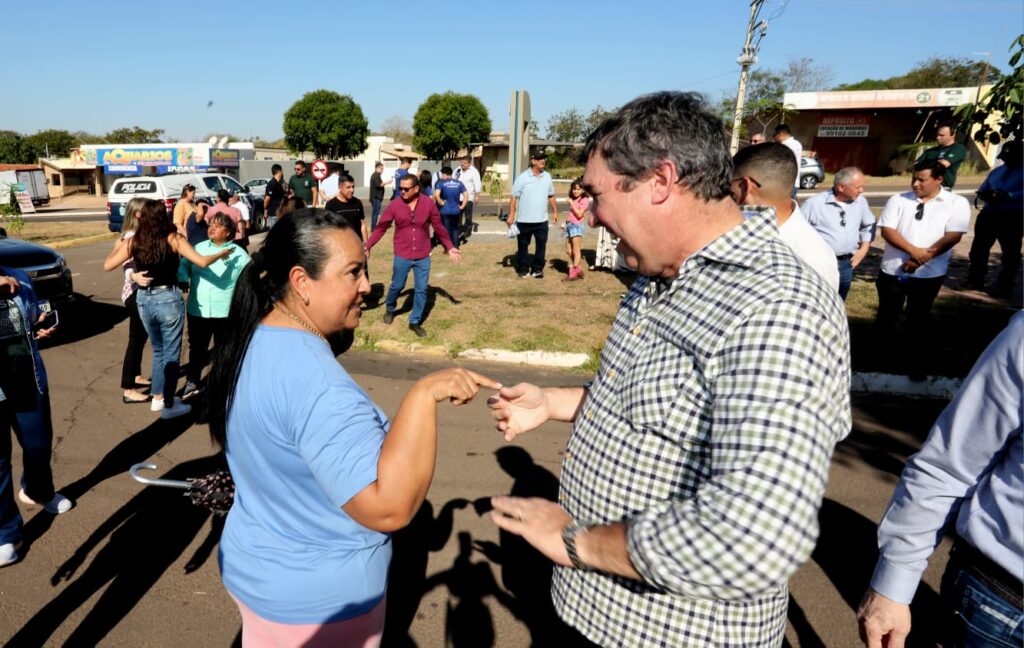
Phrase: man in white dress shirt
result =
(785, 137)
(762, 176)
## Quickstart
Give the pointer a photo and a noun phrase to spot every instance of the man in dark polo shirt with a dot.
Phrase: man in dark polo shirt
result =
(303, 185)
(274, 195)
(948, 153)
(346, 205)
(376, 193)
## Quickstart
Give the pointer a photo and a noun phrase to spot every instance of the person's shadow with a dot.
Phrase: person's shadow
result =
(143, 539)
(433, 292)
(525, 572)
(135, 448)
(411, 548)
(846, 551)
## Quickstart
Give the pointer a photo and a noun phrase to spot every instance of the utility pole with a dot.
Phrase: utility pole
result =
(747, 58)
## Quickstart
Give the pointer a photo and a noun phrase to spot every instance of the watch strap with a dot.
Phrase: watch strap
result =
(569, 535)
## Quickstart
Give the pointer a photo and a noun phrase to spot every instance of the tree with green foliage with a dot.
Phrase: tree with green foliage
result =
(15, 149)
(936, 72)
(134, 135)
(329, 124)
(52, 143)
(1004, 97)
(445, 123)
(567, 126)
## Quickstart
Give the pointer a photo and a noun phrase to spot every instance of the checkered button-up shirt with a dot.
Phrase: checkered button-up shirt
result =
(709, 430)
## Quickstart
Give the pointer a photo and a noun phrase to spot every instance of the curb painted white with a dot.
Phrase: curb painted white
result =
(879, 383)
(534, 358)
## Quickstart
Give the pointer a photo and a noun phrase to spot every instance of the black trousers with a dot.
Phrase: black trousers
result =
(993, 225)
(200, 331)
(539, 233)
(467, 220)
(917, 295)
(132, 365)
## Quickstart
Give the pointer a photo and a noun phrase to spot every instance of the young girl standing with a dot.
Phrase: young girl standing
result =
(579, 203)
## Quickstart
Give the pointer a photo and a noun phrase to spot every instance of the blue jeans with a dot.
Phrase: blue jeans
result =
(162, 311)
(451, 225)
(375, 213)
(980, 616)
(34, 430)
(420, 274)
(539, 233)
(845, 277)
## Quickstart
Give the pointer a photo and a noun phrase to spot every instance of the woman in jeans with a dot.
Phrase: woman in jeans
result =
(131, 369)
(322, 477)
(25, 408)
(154, 249)
(209, 297)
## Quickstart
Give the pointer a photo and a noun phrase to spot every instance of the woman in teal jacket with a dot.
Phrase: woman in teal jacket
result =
(209, 296)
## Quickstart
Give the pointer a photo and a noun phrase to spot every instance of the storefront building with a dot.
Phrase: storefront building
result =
(113, 160)
(867, 128)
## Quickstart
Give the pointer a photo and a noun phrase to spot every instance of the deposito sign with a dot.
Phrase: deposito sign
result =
(319, 169)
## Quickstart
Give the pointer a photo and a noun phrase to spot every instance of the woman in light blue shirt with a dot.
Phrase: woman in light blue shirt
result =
(209, 296)
(322, 476)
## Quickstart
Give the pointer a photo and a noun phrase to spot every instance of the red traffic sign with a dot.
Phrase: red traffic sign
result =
(319, 169)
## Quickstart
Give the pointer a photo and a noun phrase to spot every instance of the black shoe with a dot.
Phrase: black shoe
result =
(538, 275)
(389, 317)
(191, 389)
(418, 330)
(524, 275)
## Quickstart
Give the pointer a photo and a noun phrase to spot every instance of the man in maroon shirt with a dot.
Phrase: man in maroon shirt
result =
(413, 217)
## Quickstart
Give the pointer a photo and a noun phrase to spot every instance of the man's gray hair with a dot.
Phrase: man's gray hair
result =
(846, 175)
(675, 127)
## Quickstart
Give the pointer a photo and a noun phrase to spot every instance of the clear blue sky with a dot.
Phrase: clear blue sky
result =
(96, 66)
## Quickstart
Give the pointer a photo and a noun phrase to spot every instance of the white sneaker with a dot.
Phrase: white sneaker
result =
(59, 504)
(156, 405)
(9, 553)
(178, 409)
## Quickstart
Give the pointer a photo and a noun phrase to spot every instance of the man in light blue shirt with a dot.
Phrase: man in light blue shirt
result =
(532, 192)
(967, 479)
(843, 218)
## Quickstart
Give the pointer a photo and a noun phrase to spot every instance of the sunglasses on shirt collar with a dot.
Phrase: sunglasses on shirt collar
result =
(919, 214)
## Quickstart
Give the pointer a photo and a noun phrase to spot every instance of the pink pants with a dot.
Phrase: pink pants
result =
(360, 632)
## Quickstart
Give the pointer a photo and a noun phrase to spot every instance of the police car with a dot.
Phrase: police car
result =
(167, 189)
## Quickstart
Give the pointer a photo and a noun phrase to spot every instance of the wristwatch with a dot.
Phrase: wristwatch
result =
(569, 535)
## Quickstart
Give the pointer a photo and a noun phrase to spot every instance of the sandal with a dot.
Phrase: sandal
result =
(131, 401)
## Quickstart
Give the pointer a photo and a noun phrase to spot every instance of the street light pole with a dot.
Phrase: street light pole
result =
(747, 58)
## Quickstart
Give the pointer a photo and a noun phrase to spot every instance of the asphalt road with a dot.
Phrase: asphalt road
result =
(876, 197)
(134, 565)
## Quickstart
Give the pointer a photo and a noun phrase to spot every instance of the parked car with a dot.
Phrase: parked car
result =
(167, 188)
(811, 172)
(51, 277)
(258, 186)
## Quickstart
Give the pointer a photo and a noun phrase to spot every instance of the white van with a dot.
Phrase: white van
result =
(167, 188)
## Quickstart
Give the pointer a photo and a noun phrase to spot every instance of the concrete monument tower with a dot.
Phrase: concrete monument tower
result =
(518, 133)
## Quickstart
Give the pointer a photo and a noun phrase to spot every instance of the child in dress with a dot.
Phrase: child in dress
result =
(579, 203)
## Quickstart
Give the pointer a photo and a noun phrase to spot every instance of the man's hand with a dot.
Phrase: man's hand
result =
(945, 163)
(882, 621)
(537, 521)
(9, 285)
(519, 409)
(920, 256)
(141, 279)
(42, 334)
(455, 255)
(858, 257)
(909, 266)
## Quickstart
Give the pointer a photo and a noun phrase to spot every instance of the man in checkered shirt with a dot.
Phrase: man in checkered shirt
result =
(692, 480)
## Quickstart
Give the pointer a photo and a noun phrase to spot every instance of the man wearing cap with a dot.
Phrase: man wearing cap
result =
(842, 217)
(532, 192)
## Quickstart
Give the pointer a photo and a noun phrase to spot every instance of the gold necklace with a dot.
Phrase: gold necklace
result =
(301, 321)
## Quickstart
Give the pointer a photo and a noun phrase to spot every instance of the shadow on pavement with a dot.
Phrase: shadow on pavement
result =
(134, 547)
(85, 319)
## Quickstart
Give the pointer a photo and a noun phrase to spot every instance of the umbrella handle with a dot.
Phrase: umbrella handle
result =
(170, 483)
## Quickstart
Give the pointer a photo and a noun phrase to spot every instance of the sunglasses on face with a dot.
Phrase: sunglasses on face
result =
(405, 189)
(919, 214)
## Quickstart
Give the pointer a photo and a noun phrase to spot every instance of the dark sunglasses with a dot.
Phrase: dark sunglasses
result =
(919, 214)
(189, 187)
(842, 218)
(404, 189)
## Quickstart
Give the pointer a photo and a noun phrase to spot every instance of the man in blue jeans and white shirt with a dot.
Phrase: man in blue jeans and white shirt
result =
(532, 192)
(842, 216)
(966, 481)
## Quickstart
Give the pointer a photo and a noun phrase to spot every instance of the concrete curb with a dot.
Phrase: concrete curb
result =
(879, 383)
(861, 382)
(533, 358)
(60, 245)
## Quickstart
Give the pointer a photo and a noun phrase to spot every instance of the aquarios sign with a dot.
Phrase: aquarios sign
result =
(144, 157)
